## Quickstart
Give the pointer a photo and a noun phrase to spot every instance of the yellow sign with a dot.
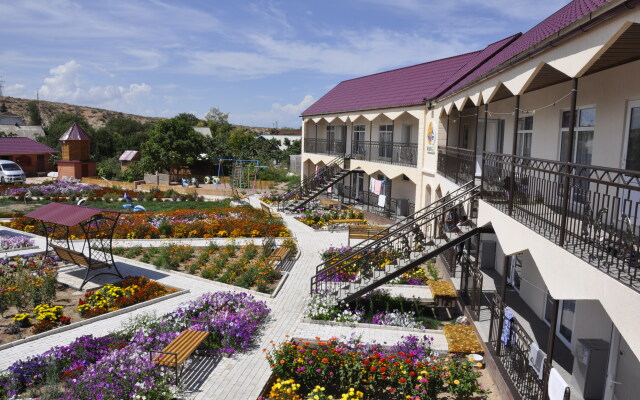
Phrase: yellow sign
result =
(431, 139)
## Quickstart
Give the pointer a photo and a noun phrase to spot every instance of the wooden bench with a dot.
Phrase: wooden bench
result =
(365, 232)
(179, 350)
(237, 194)
(80, 259)
(279, 256)
(267, 210)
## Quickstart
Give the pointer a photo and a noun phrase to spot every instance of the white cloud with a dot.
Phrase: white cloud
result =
(284, 115)
(65, 84)
(16, 90)
(353, 53)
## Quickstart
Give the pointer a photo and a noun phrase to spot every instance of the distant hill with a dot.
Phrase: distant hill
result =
(97, 117)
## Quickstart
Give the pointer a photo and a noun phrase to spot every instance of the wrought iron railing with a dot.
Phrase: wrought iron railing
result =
(379, 261)
(312, 182)
(456, 163)
(390, 208)
(591, 211)
(396, 229)
(514, 354)
(324, 146)
(386, 152)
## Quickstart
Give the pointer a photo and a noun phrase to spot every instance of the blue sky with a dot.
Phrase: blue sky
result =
(259, 61)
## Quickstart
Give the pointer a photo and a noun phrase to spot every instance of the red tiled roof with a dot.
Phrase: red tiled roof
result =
(128, 155)
(75, 133)
(65, 214)
(22, 145)
(562, 18)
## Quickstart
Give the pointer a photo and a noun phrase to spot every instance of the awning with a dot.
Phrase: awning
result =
(66, 214)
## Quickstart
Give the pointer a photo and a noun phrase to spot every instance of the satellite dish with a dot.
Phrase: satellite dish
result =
(81, 201)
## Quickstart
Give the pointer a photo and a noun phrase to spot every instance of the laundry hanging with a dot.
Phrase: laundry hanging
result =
(382, 200)
(506, 328)
(372, 184)
(378, 187)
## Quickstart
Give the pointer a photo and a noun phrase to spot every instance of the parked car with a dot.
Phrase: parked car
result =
(10, 172)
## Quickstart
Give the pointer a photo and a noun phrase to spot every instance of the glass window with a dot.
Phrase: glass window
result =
(633, 143)
(587, 117)
(567, 316)
(525, 136)
(386, 141)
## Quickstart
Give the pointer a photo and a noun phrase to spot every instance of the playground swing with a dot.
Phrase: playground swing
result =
(97, 226)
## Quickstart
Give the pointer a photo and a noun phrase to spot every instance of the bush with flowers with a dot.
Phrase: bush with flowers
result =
(319, 217)
(344, 264)
(406, 370)
(15, 242)
(26, 281)
(117, 366)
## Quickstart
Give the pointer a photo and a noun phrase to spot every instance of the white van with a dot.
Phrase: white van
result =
(10, 172)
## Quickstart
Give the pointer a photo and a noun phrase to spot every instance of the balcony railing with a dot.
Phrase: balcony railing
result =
(456, 163)
(386, 152)
(324, 146)
(591, 211)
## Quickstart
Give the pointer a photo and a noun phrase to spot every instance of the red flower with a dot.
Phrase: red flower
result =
(402, 380)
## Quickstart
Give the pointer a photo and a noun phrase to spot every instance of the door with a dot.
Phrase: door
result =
(631, 159)
(493, 142)
(515, 272)
(40, 163)
(582, 148)
(358, 141)
(359, 185)
(386, 141)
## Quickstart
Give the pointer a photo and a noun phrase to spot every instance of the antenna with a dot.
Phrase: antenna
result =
(1, 82)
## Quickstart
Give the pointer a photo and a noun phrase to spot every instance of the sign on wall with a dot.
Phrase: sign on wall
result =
(431, 139)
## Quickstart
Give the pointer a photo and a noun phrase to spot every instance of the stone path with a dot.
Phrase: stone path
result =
(242, 376)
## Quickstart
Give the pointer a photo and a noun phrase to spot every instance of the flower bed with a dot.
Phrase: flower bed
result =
(117, 366)
(220, 222)
(65, 187)
(442, 289)
(377, 307)
(271, 198)
(244, 266)
(352, 370)
(319, 218)
(15, 242)
(462, 339)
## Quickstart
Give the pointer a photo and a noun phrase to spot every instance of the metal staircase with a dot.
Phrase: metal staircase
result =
(405, 246)
(313, 185)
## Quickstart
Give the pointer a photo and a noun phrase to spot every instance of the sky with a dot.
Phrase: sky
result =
(262, 62)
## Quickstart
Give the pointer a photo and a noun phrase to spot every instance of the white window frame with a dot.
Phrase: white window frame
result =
(627, 126)
(559, 321)
(522, 132)
(577, 128)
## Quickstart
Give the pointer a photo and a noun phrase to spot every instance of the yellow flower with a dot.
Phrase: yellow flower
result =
(457, 382)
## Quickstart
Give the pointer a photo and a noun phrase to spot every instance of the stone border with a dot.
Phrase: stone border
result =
(19, 249)
(92, 320)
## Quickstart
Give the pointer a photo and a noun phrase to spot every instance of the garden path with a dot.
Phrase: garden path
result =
(242, 376)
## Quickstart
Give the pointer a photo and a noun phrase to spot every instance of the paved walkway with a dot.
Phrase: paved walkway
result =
(242, 376)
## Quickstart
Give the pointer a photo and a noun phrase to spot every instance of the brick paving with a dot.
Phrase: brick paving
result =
(242, 376)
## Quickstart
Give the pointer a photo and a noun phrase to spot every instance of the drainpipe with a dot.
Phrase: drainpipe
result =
(484, 140)
(316, 143)
(512, 185)
(459, 145)
(370, 136)
(567, 168)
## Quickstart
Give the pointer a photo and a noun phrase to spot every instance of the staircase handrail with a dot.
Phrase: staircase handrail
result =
(331, 269)
(299, 188)
(407, 220)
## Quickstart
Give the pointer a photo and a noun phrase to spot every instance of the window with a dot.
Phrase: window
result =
(358, 140)
(386, 141)
(582, 147)
(331, 135)
(631, 160)
(525, 133)
(515, 271)
(566, 318)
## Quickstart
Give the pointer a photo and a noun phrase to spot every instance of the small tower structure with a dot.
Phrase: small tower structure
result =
(75, 161)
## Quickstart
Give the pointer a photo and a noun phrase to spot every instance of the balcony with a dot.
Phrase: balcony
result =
(456, 164)
(381, 152)
(590, 211)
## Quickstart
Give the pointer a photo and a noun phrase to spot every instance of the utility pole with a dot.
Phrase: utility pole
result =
(1, 82)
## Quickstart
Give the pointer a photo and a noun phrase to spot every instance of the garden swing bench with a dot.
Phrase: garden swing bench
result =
(97, 227)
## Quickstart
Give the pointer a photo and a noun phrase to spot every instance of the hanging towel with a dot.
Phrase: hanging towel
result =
(557, 385)
(330, 189)
(372, 184)
(378, 188)
(382, 200)
(506, 328)
(533, 354)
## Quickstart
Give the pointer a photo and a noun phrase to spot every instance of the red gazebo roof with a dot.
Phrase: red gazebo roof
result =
(75, 133)
(66, 214)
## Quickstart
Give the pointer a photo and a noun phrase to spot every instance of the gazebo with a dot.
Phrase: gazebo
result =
(97, 227)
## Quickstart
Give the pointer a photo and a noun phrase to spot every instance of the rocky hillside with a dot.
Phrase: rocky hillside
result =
(97, 117)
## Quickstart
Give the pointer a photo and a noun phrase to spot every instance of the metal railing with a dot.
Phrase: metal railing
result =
(324, 146)
(396, 229)
(591, 211)
(370, 202)
(312, 182)
(386, 152)
(514, 354)
(378, 261)
(456, 163)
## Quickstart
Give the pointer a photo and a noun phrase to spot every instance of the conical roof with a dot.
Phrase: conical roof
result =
(75, 133)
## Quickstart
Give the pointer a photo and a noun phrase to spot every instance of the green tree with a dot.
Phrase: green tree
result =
(34, 113)
(189, 118)
(3, 107)
(172, 144)
(218, 121)
(59, 125)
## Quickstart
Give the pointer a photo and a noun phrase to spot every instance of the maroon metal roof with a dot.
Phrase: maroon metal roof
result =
(22, 145)
(65, 214)
(562, 18)
(398, 87)
(128, 155)
(75, 133)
